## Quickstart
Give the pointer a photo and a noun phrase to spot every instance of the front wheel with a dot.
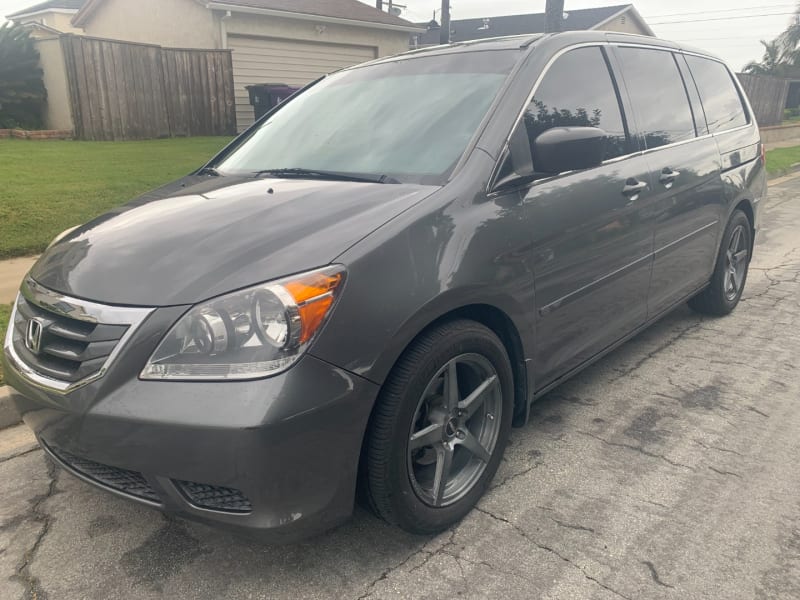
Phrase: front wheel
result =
(730, 273)
(440, 428)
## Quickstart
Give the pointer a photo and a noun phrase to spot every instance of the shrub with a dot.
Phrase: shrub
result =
(22, 91)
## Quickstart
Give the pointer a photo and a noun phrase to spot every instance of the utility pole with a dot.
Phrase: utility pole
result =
(554, 16)
(444, 33)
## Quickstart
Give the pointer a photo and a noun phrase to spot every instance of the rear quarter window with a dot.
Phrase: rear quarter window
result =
(721, 101)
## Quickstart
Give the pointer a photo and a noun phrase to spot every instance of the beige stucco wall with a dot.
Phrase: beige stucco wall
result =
(39, 34)
(58, 111)
(62, 22)
(386, 42)
(624, 24)
(187, 24)
(170, 23)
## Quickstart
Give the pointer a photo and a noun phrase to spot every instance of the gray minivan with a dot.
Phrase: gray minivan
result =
(368, 287)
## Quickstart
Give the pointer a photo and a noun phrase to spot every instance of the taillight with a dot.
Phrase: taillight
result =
(763, 154)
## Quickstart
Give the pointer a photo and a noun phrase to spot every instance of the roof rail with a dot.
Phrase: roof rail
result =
(527, 43)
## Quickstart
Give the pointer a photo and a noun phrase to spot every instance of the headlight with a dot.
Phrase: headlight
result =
(249, 334)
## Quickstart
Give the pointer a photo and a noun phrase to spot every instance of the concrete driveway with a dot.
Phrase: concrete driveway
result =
(668, 470)
(11, 273)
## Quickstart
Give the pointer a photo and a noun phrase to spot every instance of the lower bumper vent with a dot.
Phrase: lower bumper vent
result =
(123, 480)
(215, 497)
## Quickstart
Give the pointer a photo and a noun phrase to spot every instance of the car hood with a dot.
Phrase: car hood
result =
(203, 236)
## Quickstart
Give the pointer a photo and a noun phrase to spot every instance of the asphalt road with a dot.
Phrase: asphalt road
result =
(668, 470)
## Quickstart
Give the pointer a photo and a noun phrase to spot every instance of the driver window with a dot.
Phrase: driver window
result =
(577, 91)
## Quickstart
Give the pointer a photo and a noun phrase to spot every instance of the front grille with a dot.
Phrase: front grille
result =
(70, 350)
(215, 497)
(123, 480)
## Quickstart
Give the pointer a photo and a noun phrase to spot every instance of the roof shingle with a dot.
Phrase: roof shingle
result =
(52, 4)
(476, 29)
(341, 9)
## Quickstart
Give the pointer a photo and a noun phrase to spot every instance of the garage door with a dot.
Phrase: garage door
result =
(268, 60)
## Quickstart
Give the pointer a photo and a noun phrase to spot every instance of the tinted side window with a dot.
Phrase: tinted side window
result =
(658, 95)
(721, 101)
(577, 91)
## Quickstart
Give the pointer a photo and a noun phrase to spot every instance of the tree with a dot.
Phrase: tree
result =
(781, 55)
(22, 91)
(771, 62)
(790, 39)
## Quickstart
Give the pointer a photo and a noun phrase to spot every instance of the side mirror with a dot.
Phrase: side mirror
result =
(557, 150)
(563, 149)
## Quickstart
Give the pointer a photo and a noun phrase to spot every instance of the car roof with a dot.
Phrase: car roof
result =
(554, 41)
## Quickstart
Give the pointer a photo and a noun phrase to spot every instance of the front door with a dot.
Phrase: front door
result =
(592, 262)
(592, 230)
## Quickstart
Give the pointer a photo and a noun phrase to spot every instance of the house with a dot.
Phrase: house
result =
(624, 18)
(48, 18)
(273, 41)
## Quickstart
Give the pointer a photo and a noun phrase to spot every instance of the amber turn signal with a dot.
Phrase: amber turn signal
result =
(314, 295)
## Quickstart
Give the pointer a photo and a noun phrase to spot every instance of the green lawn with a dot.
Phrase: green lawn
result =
(780, 159)
(5, 315)
(49, 186)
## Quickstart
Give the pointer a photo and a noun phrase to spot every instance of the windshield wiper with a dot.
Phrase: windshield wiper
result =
(332, 175)
(209, 171)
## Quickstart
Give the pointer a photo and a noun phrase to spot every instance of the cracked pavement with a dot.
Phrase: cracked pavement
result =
(667, 470)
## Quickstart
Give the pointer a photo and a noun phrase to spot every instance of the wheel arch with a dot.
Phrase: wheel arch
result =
(503, 327)
(496, 319)
(502, 316)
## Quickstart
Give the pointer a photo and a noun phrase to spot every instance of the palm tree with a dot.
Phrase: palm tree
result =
(771, 62)
(22, 91)
(790, 39)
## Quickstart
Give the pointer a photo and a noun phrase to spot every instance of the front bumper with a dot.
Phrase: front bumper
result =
(289, 444)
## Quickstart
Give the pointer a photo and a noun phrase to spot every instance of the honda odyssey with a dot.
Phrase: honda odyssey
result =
(372, 284)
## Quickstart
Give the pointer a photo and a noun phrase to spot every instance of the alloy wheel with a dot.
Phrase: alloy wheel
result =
(735, 263)
(455, 430)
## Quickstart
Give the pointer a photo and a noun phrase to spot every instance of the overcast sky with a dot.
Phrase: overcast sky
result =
(733, 34)
(729, 28)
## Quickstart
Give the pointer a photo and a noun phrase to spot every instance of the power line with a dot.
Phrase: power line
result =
(719, 19)
(711, 39)
(725, 44)
(703, 12)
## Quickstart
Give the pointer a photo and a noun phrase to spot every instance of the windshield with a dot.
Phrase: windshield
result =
(406, 120)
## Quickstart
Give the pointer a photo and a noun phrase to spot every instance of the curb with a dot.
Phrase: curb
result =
(8, 414)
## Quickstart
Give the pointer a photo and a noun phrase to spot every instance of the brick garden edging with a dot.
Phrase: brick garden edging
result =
(47, 134)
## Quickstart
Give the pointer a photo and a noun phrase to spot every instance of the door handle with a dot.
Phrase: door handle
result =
(668, 177)
(633, 188)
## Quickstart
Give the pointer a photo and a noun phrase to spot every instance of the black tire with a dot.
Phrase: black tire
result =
(390, 478)
(719, 299)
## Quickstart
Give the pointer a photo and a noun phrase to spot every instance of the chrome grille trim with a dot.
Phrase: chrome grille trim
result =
(73, 308)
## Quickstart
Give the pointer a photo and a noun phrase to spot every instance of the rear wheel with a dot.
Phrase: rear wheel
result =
(440, 428)
(730, 273)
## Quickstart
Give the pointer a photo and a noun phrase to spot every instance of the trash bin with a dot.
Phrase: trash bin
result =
(266, 96)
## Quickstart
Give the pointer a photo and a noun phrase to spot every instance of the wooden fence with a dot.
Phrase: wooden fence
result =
(127, 91)
(767, 97)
